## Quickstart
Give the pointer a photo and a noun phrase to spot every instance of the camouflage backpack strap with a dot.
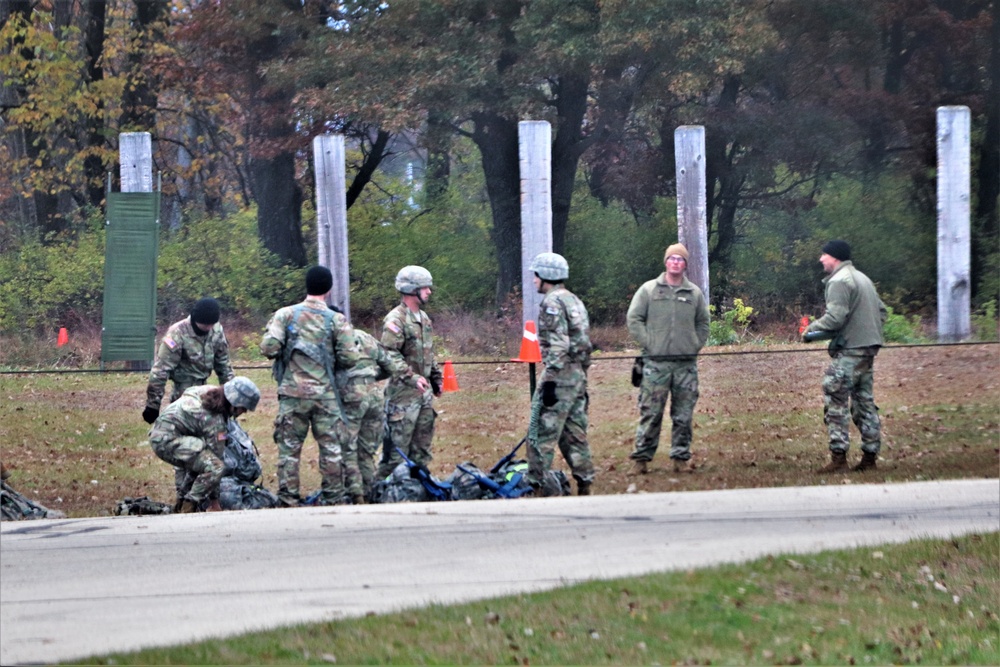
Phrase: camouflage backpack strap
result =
(280, 364)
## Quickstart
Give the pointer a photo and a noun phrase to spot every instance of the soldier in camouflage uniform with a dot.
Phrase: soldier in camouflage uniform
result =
(191, 435)
(669, 318)
(364, 411)
(408, 338)
(308, 342)
(189, 351)
(856, 314)
(561, 401)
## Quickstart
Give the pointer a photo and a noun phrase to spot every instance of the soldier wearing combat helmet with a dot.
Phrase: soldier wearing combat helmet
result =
(189, 351)
(559, 405)
(408, 338)
(191, 436)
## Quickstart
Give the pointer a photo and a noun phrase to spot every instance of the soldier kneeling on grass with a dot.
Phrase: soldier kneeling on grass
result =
(191, 434)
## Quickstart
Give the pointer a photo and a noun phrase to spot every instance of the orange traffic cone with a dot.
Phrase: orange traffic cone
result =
(450, 381)
(63, 337)
(530, 352)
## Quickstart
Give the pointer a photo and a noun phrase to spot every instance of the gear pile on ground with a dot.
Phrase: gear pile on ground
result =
(238, 489)
(411, 483)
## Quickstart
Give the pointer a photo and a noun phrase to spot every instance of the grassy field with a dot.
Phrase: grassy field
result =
(924, 602)
(75, 441)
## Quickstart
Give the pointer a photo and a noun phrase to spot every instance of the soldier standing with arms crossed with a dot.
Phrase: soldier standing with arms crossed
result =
(189, 351)
(307, 342)
(669, 318)
(561, 401)
(408, 337)
(856, 314)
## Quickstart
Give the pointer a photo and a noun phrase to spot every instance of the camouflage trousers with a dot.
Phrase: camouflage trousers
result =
(194, 461)
(847, 395)
(364, 413)
(410, 426)
(678, 381)
(182, 478)
(295, 416)
(564, 425)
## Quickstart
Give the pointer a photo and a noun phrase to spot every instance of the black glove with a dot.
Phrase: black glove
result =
(637, 372)
(435, 387)
(549, 394)
(149, 415)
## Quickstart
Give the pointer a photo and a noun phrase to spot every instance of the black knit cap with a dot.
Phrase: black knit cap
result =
(838, 250)
(319, 281)
(206, 311)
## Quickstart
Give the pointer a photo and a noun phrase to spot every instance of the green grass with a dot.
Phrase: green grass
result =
(882, 605)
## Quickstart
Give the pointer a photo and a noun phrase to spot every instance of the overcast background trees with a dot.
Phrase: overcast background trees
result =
(819, 118)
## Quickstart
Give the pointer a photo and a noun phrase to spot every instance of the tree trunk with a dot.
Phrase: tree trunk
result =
(496, 138)
(140, 98)
(722, 183)
(279, 207)
(94, 49)
(567, 147)
(987, 216)
(370, 163)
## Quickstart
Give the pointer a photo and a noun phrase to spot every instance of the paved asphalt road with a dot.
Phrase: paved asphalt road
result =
(80, 587)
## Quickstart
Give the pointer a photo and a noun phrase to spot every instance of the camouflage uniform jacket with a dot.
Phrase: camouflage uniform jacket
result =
(669, 321)
(853, 308)
(374, 363)
(188, 359)
(563, 336)
(306, 376)
(408, 339)
(188, 417)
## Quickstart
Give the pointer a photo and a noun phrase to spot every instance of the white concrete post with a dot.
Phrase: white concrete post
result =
(692, 208)
(331, 216)
(954, 285)
(135, 159)
(535, 155)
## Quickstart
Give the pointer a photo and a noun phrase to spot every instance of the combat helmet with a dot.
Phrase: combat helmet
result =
(241, 392)
(411, 279)
(550, 267)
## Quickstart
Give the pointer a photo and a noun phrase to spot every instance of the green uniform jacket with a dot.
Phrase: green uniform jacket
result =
(563, 336)
(188, 417)
(188, 359)
(374, 362)
(306, 376)
(853, 308)
(408, 337)
(668, 321)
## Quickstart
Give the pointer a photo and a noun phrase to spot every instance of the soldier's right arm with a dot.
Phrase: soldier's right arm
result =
(393, 338)
(274, 336)
(167, 357)
(636, 318)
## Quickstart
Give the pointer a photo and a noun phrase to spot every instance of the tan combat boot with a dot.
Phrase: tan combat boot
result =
(837, 464)
(683, 466)
(869, 461)
(188, 507)
(639, 468)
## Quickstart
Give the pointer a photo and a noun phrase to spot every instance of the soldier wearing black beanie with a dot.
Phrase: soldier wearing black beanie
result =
(838, 250)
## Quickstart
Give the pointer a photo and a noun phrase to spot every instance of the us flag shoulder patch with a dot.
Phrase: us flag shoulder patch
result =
(170, 342)
(391, 326)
